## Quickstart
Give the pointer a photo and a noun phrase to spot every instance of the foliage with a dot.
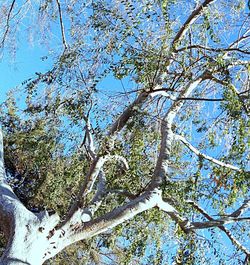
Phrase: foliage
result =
(127, 42)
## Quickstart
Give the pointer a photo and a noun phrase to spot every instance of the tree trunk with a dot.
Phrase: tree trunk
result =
(26, 245)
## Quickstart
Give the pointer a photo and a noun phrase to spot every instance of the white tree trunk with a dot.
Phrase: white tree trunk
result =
(28, 234)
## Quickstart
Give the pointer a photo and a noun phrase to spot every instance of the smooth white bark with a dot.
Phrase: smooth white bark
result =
(207, 157)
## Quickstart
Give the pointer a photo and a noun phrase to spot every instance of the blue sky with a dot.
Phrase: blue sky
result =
(13, 71)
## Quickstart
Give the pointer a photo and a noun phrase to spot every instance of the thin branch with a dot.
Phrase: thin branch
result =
(200, 154)
(234, 89)
(61, 25)
(197, 46)
(241, 209)
(2, 169)
(88, 141)
(216, 223)
(201, 99)
(243, 92)
(7, 23)
(239, 40)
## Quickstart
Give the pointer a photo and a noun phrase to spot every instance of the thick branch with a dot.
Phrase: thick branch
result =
(108, 221)
(174, 214)
(127, 113)
(191, 19)
(167, 134)
(200, 154)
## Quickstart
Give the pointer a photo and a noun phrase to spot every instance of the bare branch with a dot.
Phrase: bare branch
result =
(88, 141)
(234, 89)
(2, 169)
(217, 223)
(61, 25)
(241, 209)
(219, 50)
(191, 19)
(174, 214)
(200, 154)
(108, 221)
(167, 134)
(7, 23)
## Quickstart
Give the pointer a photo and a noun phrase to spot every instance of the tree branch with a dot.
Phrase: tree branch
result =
(216, 223)
(88, 141)
(209, 158)
(61, 25)
(70, 234)
(174, 214)
(127, 113)
(234, 89)
(88, 212)
(7, 23)
(161, 167)
(241, 209)
(174, 98)
(2, 169)
(191, 19)
(197, 46)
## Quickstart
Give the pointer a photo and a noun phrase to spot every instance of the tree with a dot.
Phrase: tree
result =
(164, 153)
